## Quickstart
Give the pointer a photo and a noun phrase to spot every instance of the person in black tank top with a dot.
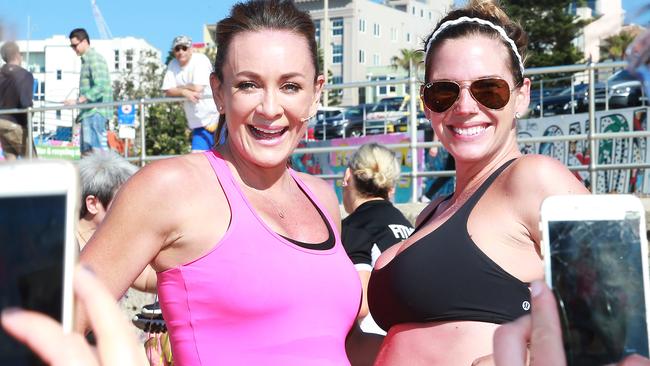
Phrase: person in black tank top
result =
(374, 224)
(441, 293)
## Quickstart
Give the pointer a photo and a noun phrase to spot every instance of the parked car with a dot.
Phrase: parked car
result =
(339, 122)
(402, 123)
(574, 99)
(624, 90)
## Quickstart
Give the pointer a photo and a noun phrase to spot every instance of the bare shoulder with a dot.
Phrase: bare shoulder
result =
(325, 193)
(174, 175)
(542, 175)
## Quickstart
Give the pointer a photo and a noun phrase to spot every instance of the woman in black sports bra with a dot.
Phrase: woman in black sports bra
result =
(441, 293)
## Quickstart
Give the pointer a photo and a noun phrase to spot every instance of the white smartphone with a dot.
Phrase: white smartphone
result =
(596, 261)
(38, 215)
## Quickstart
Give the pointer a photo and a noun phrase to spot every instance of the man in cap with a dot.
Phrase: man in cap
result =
(188, 76)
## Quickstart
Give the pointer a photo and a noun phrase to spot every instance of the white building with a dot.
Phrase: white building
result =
(56, 71)
(606, 19)
(364, 37)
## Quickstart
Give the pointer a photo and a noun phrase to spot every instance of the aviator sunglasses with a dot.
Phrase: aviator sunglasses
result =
(440, 95)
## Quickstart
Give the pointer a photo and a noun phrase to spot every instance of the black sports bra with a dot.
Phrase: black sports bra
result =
(444, 276)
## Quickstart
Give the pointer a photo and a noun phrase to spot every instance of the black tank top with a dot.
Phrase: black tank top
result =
(444, 276)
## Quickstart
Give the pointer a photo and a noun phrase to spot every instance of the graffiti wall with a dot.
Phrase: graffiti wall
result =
(336, 162)
(610, 151)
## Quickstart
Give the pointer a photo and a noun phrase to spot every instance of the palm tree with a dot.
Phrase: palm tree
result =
(614, 47)
(409, 60)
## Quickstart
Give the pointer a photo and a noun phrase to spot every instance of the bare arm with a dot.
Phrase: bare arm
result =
(138, 225)
(364, 276)
(147, 281)
(535, 178)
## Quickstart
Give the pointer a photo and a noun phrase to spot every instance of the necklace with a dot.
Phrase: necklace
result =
(267, 197)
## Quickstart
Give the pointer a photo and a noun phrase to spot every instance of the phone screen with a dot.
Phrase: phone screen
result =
(32, 244)
(597, 276)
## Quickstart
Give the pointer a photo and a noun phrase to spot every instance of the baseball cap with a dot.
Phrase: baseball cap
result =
(182, 41)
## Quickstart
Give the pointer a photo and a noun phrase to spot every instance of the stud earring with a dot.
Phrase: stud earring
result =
(517, 115)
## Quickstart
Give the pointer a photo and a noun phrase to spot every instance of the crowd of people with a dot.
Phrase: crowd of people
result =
(252, 264)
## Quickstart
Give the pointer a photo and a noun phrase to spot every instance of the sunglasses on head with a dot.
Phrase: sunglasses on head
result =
(440, 95)
(178, 48)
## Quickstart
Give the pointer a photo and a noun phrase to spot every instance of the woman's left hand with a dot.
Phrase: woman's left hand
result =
(116, 342)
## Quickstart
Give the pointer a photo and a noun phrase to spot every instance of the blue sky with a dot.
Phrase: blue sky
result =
(158, 22)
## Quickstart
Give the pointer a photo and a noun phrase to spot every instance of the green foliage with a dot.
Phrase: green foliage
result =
(551, 31)
(407, 59)
(165, 123)
(614, 47)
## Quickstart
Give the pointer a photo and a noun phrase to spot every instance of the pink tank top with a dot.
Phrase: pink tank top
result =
(258, 299)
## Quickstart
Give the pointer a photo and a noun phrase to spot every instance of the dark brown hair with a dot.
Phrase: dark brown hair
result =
(257, 15)
(80, 34)
(488, 10)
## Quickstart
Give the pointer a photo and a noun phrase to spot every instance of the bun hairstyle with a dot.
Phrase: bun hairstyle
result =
(487, 10)
(375, 169)
(255, 16)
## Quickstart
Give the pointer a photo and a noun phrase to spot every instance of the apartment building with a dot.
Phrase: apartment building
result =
(56, 71)
(364, 37)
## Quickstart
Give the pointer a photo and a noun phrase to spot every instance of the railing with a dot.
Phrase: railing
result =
(413, 144)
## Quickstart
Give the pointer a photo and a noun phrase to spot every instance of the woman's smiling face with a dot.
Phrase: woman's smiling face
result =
(469, 130)
(268, 91)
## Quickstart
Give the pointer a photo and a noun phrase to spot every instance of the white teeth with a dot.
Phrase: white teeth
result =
(268, 131)
(470, 131)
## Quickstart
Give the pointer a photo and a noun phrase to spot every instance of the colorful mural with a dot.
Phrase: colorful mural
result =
(610, 151)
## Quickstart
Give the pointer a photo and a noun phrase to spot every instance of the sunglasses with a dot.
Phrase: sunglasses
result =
(179, 48)
(440, 95)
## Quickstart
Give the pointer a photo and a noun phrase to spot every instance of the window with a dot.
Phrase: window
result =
(421, 13)
(408, 37)
(384, 89)
(362, 56)
(429, 15)
(317, 32)
(39, 93)
(337, 26)
(129, 59)
(413, 10)
(58, 75)
(117, 59)
(362, 25)
(337, 53)
(376, 30)
(337, 79)
(58, 114)
(393, 34)
(375, 59)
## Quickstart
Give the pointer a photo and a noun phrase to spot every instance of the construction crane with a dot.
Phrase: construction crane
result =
(104, 31)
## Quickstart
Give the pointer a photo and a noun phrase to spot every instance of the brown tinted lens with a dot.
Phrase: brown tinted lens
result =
(492, 93)
(441, 95)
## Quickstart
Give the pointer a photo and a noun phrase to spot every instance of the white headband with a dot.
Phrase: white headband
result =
(497, 28)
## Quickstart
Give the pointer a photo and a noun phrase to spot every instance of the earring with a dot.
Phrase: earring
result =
(517, 115)
(344, 183)
(220, 108)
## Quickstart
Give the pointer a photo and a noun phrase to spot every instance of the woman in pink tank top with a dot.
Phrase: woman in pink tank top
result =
(250, 264)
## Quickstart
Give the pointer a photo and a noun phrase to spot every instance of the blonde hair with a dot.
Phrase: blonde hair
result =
(375, 169)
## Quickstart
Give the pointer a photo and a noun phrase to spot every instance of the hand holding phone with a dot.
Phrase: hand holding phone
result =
(117, 344)
(595, 255)
(38, 213)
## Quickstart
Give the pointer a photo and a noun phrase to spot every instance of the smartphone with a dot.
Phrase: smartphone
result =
(595, 256)
(38, 215)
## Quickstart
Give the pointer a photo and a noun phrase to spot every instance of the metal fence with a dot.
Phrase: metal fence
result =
(413, 145)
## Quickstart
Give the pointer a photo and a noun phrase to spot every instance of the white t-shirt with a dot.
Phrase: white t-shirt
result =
(196, 72)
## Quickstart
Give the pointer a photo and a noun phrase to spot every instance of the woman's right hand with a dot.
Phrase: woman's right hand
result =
(116, 342)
